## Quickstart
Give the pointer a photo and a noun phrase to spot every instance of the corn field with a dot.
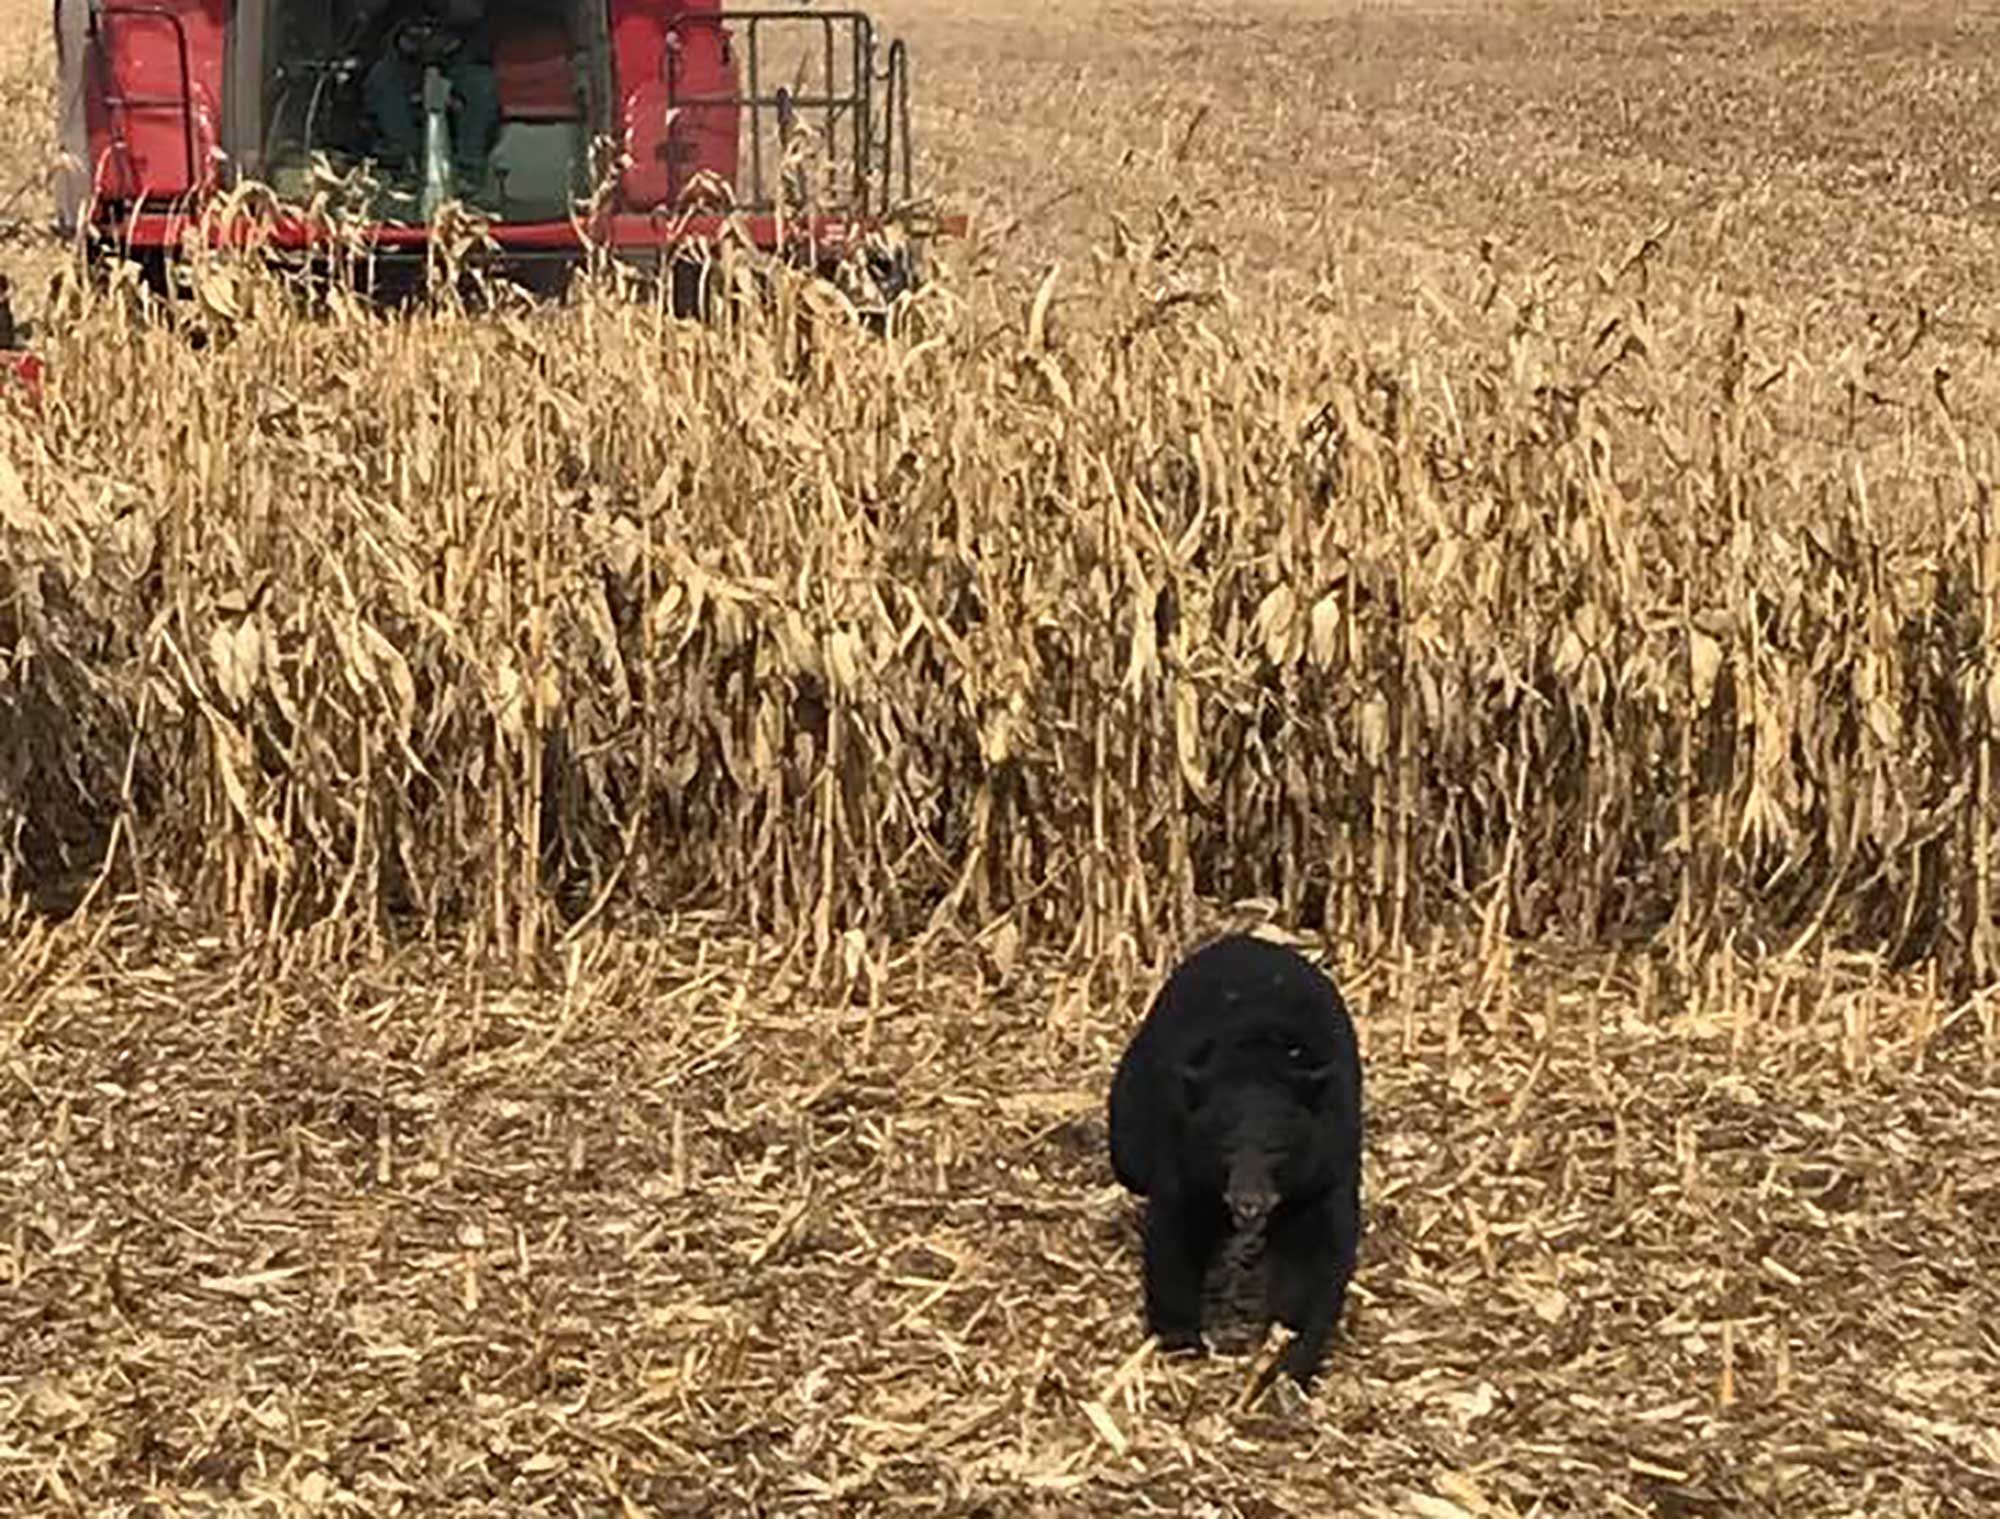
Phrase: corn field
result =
(488, 626)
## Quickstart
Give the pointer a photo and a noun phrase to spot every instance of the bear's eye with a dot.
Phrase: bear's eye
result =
(1296, 1053)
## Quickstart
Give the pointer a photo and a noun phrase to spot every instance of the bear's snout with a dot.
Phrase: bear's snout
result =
(1252, 1191)
(1249, 1210)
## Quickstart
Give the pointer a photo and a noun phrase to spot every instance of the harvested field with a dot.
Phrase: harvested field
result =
(571, 884)
(675, 1234)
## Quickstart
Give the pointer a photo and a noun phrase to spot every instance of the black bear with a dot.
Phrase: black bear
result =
(1237, 1105)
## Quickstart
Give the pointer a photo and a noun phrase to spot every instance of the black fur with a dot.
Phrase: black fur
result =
(1238, 1103)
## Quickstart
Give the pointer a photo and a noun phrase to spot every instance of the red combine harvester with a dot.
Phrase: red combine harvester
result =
(167, 105)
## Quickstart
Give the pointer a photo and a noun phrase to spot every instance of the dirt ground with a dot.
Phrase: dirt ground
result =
(675, 1236)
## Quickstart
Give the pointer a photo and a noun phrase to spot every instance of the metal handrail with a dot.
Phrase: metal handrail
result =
(874, 168)
(896, 118)
(115, 102)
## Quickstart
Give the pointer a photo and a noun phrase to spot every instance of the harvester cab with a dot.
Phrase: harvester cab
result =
(789, 128)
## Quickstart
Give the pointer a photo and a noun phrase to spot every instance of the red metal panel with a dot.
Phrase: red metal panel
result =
(24, 370)
(667, 61)
(153, 85)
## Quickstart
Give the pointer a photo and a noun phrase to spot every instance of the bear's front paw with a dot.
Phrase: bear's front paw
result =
(1303, 1363)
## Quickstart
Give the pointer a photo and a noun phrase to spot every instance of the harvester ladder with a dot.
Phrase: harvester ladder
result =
(119, 107)
(874, 146)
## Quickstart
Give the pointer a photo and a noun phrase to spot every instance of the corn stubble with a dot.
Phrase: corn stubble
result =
(1558, 608)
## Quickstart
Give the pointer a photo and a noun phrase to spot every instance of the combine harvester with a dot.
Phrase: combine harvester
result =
(788, 129)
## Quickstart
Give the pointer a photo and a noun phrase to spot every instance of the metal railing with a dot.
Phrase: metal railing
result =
(118, 106)
(860, 134)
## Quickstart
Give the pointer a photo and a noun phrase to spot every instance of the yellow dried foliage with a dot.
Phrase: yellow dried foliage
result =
(486, 621)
